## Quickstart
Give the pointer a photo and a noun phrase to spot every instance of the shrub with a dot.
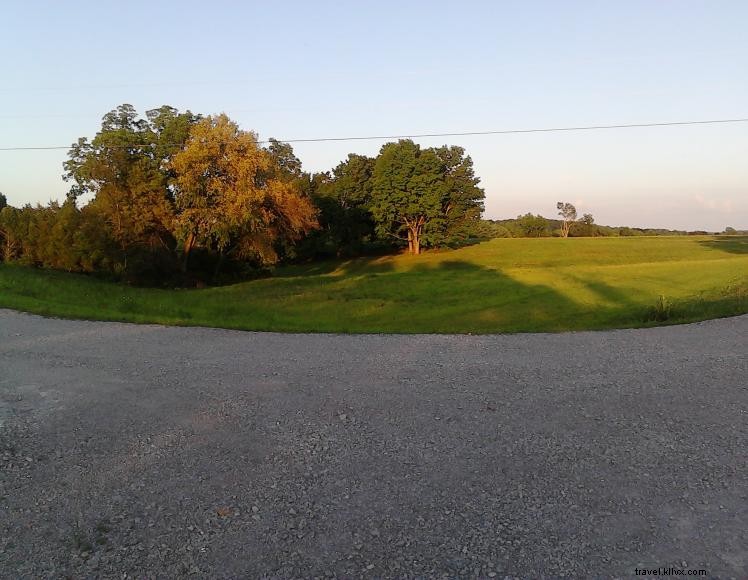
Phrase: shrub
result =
(661, 311)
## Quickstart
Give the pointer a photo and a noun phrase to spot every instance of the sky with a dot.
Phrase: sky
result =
(299, 69)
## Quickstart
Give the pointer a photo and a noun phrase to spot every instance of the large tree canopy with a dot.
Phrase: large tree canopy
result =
(125, 168)
(172, 181)
(169, 196)
(423, 195)
(344, 198)
(463, 203)
(231, 196)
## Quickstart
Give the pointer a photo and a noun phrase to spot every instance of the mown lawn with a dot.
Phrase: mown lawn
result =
(505, 285)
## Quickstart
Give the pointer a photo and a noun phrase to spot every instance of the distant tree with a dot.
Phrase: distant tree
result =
(728, 230)
(584, 226)
(568, 215)
(3, 201)
(225, 200)
(532, 226)
(606, 231)
(589, 223)
(488, 230)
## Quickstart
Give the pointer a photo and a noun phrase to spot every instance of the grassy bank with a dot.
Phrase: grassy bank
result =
(505, 285)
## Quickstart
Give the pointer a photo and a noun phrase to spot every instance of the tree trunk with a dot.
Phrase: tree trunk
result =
(410, 241)
(416, 236)
(189, 242)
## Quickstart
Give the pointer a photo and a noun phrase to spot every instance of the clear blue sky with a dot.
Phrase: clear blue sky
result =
(320, 69)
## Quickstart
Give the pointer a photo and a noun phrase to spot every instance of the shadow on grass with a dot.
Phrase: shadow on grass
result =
(608, 293)
(449, 296)
(732, 300)
(368, 295)
(369, 264)
(460, 296)
(443, 296)
(729, 244)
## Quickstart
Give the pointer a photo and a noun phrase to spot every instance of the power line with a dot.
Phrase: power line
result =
(425, 135)
(514, 131)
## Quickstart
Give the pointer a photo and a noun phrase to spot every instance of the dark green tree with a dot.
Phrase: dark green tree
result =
(463, 203)
(533, 226)
(407, 192)
(584, 226)
(285, 164)
(344, 198)
(422, 195)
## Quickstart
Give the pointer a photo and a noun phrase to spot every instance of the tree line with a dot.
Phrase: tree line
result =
(178, 198)
(570, 225)
(175, 196)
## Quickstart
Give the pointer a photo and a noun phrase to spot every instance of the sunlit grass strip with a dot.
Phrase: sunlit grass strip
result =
(508, 285)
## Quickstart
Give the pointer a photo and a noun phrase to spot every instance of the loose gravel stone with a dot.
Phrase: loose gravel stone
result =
(143, 451)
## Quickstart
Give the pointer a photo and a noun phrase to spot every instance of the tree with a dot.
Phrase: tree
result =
(407, 192)
(228, 198)
(12, 232)
(343, 198)
(568, 214)
(585, 226)
(125, 168)
(462, 205)
(532, 226)
(170, 129)
(728, 230)
(351, 181)
(285, 164)
(489, 230)
(3, 201)
(421, 195)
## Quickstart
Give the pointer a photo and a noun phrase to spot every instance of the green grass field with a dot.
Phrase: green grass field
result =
(505, 285)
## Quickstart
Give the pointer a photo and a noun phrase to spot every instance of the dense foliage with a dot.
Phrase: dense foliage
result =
(174, 197)
(177, 198)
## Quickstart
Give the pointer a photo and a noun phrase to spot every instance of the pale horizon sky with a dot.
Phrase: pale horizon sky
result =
(333, 69)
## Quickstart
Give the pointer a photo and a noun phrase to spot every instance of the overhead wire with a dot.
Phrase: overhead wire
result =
(445, 134)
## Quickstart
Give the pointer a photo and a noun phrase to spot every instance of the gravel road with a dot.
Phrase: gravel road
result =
(145, 451)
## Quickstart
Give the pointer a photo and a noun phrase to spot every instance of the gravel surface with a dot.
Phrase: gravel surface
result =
(145, 451)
